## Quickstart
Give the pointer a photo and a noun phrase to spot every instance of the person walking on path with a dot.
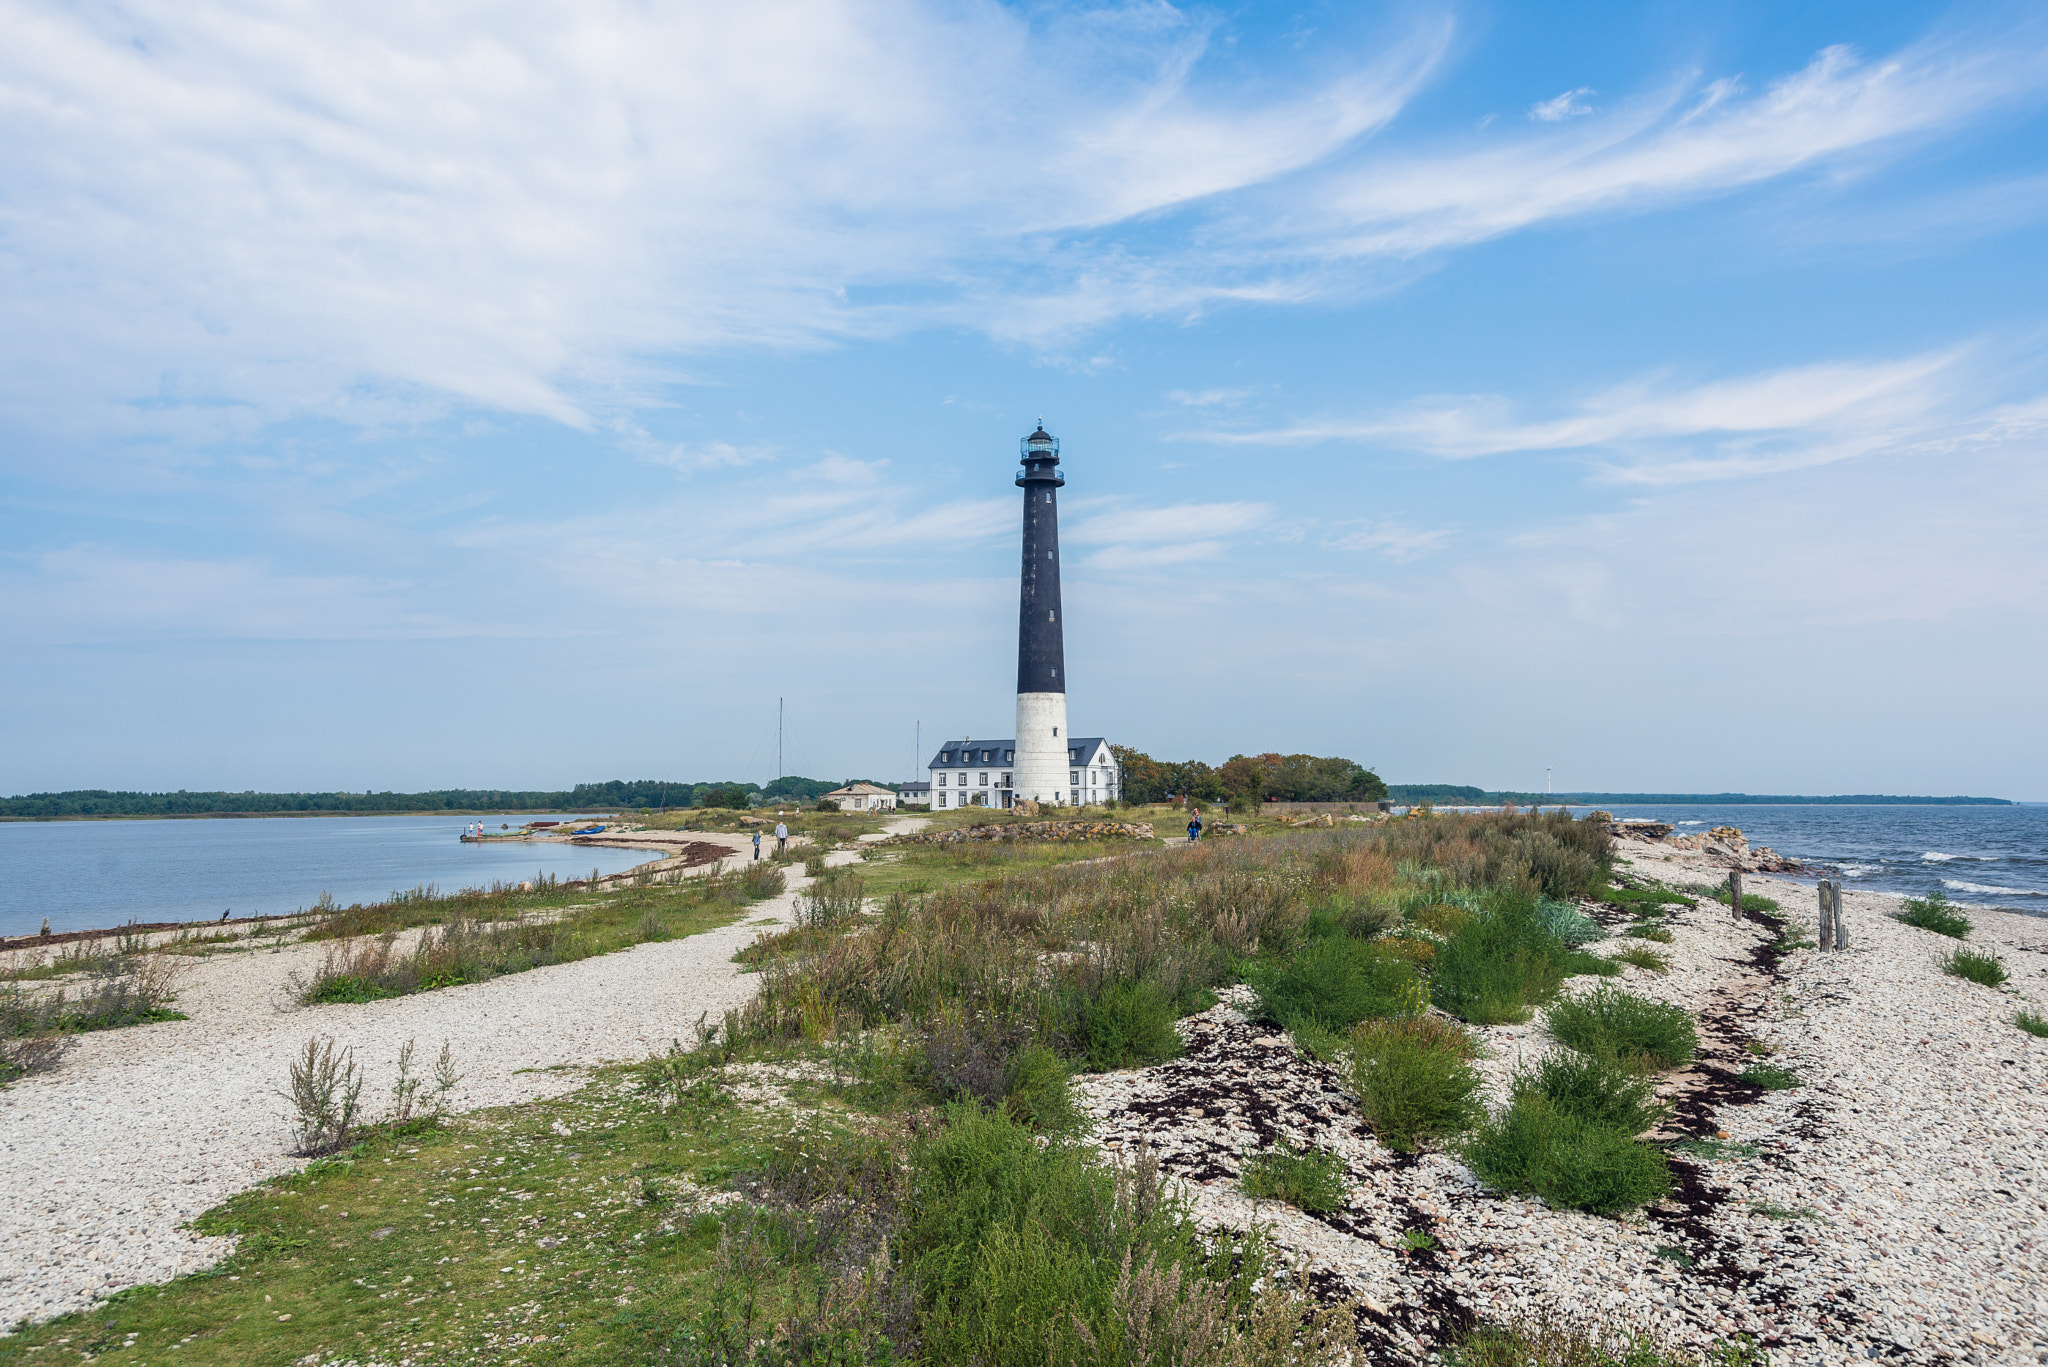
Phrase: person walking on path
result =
(757, 844)
(1194, 829)
(781, 837)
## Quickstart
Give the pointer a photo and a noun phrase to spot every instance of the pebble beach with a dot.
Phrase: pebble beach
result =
(1890, 1208)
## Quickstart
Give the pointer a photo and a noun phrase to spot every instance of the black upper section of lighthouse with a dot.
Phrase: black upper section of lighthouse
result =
(1041, 656)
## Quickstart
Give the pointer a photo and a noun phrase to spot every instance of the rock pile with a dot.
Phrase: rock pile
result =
(1031, 830)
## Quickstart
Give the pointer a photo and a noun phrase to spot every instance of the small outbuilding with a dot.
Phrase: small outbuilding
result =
(861, 797)
(914, 795)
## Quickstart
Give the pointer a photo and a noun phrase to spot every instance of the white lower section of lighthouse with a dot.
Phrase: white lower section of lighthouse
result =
(1043, 772)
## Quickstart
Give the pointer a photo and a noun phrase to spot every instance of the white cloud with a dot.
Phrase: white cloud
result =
(89, 593)
(537, 210)
(1394, 540)
(1653, 431)
(1153, 557)
(1180, 522)
(1682, 142)
(1569, 105)
(1209, 398)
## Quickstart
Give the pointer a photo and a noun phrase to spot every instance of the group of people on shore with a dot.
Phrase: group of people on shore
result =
(781, 839)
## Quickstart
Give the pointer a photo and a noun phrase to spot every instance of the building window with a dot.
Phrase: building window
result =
(1009, 755)
(984, 778)
(1074, 779)
(1006, 781)
(946, 757)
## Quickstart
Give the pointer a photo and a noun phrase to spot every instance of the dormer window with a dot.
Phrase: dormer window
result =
(946, 757)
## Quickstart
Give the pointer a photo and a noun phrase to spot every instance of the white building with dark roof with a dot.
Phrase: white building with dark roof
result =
(982, 773)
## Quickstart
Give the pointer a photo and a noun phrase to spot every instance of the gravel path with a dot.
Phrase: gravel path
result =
(139, 1130)
(1892, 1208)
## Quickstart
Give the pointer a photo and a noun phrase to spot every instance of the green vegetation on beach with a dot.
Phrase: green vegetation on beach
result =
(916, 1187)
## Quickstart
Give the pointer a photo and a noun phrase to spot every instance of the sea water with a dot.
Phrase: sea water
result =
(1978, 856)
(88, 875)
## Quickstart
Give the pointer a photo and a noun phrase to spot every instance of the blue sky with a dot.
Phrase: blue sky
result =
(518, 395)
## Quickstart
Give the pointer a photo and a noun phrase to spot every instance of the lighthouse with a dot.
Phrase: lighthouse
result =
(1043, 764)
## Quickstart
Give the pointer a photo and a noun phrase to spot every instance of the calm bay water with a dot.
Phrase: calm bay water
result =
(87, 875)
(1981, 856)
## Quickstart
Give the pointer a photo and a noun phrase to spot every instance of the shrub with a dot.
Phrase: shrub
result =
(1038, 1092)
(760, 879)
(1933, 912)
(1770, 1077)
(33, 1053)
(1309, 1179)
(1596, 1091)
(1648, 932)
(1333, 984)
(326, 1095)
(1621, 1027)
(1119, 1023)
(1579, 962)
(1414, 1080)
(831, 902)
(1978, 967)
(2032, 1022)
(1574, 1164)
(1499, 965)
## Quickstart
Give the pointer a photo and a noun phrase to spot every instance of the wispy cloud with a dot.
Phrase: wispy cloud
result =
(1653, 430)
(1209, 398)
(1396, 541)
(1685, 140)
(1180, 522)
(1569, 105)
(1136, 558)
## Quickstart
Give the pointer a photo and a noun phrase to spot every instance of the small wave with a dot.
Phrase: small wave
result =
(1858, 870)
(1990, 888)
(1935, 856)
(1692, 823)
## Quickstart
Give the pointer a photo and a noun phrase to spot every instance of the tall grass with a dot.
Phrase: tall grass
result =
(1540, 1147)
(117, 991)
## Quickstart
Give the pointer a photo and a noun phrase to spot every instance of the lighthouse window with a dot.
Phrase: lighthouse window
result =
(1048, 555)
(1048, 495)
(1051, 616)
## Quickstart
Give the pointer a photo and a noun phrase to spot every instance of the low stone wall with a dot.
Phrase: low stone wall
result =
(1030, 830)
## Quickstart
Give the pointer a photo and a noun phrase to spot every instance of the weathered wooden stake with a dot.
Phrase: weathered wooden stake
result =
(1835, 904)
(1735, 892)
(1827, 917)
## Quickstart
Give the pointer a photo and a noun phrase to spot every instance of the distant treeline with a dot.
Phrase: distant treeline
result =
(617, 794)
(1452, 794)
(1269, 777)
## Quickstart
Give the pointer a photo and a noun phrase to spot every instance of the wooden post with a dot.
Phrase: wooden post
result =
(1735, 892)
(1835, 905)
(1827, 917)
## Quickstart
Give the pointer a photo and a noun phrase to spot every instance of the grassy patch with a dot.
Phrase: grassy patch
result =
(1537, 1147)
(1751, 901)
(463, 949)
(1620, 1027)
(1124, 1023)
(1934, 912)
(1643, 957)
(1557, 1342)
(1414, 1080)
(1770, 1077)
(1649, 932)
(1309, 1179)
(2032, 1022)
(1716, 1150)
(116, 991)
(1975, 965)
